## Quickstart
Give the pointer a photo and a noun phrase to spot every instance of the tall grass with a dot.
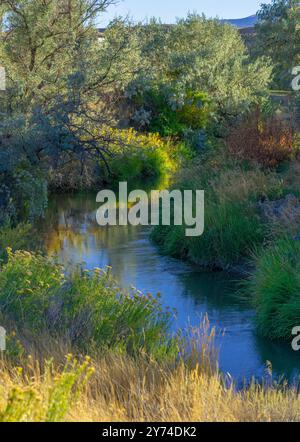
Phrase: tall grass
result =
(118, 388)
(275, 287)
(233, 226)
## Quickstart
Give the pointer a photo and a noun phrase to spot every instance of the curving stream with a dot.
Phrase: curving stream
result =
(70, 231)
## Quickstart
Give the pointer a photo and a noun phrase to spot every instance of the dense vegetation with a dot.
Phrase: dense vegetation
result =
(278, 36)
(136, 372)
(190, 102)
(69, 96)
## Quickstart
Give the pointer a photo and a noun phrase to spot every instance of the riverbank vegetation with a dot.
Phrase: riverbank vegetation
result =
(136, 371)
(84, 110)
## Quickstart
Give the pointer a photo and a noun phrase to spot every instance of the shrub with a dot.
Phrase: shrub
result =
(267, 142)
(87, 307)
(131, 156)
(69, 173)
(42, 396)
(27, 283)
(275, 287)
(139, 156)
(23, 195)
(171, 120)
(17, 238)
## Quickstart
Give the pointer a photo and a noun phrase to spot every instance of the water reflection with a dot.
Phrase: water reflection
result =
(70, 231)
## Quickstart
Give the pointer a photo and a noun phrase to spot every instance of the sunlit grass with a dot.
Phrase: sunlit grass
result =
(121, 389)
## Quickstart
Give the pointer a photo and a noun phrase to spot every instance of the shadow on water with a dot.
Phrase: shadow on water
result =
(70, 232)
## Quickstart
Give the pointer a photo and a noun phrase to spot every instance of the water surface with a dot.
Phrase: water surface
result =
(70, 231)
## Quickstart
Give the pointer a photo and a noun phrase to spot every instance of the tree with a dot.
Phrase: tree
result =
(278, 37)
(61, 80)
(45, 42)
(62, 83)
(196, 57)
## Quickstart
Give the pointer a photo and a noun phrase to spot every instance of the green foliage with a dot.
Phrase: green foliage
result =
(278, 36)
(274, 287)
(133, 166)
(232, 222)
(23, 195)
(18, 238)
(27, 282)
(15, 350)
(61, 82)
(167, 121)
(233, 228)
(31, 194)
(89, 308)
(50, 43)
(138, 156)
(194, 72)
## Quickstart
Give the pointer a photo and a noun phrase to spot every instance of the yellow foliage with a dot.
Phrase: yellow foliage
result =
(130, 141)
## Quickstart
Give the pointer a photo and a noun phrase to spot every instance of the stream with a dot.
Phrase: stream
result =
(70, 232)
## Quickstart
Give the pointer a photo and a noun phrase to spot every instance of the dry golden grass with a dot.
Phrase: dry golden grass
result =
(119, 388)
(123, 389)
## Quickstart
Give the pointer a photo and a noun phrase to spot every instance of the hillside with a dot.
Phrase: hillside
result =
(246, 22)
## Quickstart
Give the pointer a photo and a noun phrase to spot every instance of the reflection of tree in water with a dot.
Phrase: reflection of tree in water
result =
(216, 289)
(70, 228)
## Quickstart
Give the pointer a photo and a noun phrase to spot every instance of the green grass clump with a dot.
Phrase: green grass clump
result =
(233, 226)
(88, 308)
(275, 288)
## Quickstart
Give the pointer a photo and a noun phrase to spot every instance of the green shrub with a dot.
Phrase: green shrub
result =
(275, 288)
(137, 156)
(173, 121)
(23, 195)
(87, 307)
(17, 238)
(27, 283)
(31, 193)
